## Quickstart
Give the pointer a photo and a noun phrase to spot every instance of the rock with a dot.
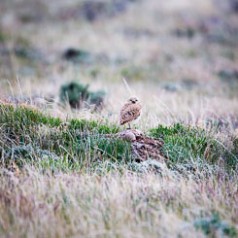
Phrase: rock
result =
(128, 135)
(143, 147)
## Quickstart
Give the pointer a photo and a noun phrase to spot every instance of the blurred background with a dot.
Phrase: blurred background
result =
(182, 53)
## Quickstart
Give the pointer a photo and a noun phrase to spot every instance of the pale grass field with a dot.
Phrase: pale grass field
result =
(114, 205)
(126, 204)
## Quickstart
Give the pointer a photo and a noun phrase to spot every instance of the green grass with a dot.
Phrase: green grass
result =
(184, 144)
(25, 117)
(181, 143)
(92, 126)
(29, 135)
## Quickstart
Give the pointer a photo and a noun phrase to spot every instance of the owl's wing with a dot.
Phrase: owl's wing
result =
(129, 113)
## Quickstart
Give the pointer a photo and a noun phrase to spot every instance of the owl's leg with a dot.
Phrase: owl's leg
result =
(129, 126)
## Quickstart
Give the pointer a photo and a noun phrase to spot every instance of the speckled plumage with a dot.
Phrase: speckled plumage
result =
(130, 111)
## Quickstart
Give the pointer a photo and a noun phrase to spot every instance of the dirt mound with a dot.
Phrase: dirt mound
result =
(143, 147)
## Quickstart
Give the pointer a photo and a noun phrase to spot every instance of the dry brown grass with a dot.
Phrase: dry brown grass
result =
(122, 205)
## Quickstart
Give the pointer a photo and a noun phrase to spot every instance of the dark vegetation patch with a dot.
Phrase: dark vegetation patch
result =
(78, 95)
(83, 57)
(187, 32)
(228, 74)
(230, 78)
(214, 225)
(78, 56)
(28, 53)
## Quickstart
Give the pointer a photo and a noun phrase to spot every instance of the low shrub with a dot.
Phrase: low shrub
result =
(76, 94)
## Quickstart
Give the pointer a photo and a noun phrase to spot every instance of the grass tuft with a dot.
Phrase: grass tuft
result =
(182, 143)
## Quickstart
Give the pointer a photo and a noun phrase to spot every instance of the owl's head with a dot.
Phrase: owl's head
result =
(133, 99)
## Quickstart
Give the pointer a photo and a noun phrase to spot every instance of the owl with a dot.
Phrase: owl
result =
(130, 111)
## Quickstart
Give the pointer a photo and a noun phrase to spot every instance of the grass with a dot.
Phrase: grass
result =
(63, 174)
(185, 144)
(29, 134)
(58, 170)
(114, 204)
(182, 143)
